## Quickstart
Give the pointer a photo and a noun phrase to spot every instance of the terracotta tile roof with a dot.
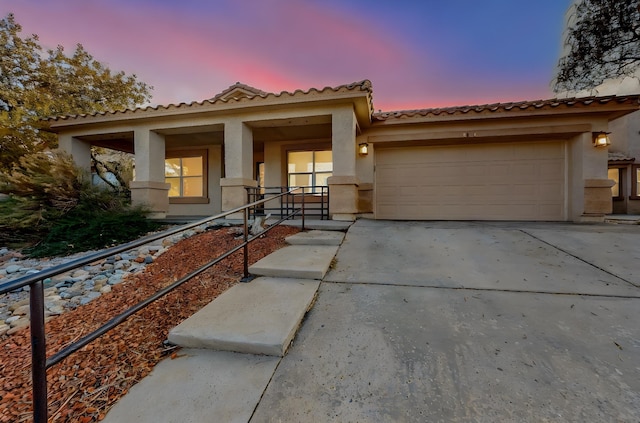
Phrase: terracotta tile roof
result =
(615, 156)
(502, 107)
(247, 89)
(253, 93)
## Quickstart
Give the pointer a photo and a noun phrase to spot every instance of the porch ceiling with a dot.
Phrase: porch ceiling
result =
(194, 139)
(302, 128)
(290, 133)
(292, 129)
(121, 141)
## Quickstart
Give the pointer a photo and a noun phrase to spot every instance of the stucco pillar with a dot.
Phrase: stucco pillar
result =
(149, 188)
(79, 150)
(343, 185)
(591, 185)
(364, 171)
(238, 162)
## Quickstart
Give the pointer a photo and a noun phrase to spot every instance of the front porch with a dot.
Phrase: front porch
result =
(200, 159)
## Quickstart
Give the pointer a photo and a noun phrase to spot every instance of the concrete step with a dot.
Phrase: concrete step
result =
(624, 219)
(325, 225)
(259, 317)
(296, 261)
(197, 386)
(316, 238)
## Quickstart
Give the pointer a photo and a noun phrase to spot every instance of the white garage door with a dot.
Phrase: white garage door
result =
(515, 181)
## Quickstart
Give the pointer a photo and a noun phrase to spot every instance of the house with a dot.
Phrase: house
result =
(532, 160)
(624, 137)
(623, 168)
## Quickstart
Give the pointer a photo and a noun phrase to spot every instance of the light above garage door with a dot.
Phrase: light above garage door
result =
(514, 181)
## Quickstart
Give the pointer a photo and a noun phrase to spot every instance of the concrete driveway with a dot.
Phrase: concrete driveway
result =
(469, 322)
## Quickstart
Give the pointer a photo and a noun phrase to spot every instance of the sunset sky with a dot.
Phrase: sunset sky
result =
(417, 53)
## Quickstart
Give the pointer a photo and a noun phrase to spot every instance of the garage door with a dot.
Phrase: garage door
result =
(523, 181)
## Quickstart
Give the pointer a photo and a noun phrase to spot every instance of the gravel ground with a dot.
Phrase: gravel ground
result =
(85, 385)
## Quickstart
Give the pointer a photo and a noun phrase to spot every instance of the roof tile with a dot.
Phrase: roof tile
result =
(496, 107)
(364, 86)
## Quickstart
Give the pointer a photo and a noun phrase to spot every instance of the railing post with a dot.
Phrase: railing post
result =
(38, 352)
(246, 245)
(328, 202)
(303, 208)
(249, 196)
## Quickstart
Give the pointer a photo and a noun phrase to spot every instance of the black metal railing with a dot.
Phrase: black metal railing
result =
(39, 361)
(314, 198)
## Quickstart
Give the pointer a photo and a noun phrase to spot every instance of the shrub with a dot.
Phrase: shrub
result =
(88, 227)
(53, 209)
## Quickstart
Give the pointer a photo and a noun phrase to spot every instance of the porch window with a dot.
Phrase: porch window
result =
(614, 175)
(186, 172)
(309, 168)
(635, 182)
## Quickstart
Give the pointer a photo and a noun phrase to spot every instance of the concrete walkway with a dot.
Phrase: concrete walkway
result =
(444, 322)
(233, 345)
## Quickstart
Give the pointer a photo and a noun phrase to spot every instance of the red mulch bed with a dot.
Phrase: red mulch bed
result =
(86, 384)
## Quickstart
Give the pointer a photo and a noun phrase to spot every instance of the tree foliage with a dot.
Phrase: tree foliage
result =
(603, 43)
(55, 210)
(36, 84)
(51, 203)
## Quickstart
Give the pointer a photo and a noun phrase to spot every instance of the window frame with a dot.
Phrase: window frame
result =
(313, 172)
(182, 154)
(635, 178)
(620, 195)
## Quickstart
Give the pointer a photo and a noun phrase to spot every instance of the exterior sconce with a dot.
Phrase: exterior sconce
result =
(363, 149)
(601, 139)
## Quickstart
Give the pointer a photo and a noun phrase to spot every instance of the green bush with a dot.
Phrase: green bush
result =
(53, 209)
(88, 227)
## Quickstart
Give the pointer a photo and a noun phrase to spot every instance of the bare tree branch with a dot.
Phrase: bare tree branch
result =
(603, 43)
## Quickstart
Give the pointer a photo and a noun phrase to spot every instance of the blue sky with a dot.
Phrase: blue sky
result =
(417, 54)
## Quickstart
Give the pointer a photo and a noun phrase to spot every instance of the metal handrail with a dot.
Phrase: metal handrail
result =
(287, 203)
(39, 361)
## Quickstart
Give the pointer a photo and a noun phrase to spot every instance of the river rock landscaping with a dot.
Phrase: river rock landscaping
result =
(72, 289)
(85, 385)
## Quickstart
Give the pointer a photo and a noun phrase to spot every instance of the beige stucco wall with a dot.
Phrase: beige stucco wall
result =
(365, 174)
(343, 185)
(590, 188)
(79, 150)
(625, 135)
(625, 139)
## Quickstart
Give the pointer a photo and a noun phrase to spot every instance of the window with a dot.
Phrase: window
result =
(635, 182)
(260, 173)
(309, 168)
(616, 190)
(185, 171)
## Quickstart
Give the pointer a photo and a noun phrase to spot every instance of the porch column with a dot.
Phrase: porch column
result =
(591, 186)
(238, 162)
(79, 150)
(343, 185)
(149, 188)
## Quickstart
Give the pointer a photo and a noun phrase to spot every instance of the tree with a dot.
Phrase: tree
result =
(36, 84)
(602, 43)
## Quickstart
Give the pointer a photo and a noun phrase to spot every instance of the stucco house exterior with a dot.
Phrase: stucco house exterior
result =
(624, 151)
(532, 160)
(624, 164)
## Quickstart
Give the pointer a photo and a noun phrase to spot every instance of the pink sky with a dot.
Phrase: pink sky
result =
(416, 53)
